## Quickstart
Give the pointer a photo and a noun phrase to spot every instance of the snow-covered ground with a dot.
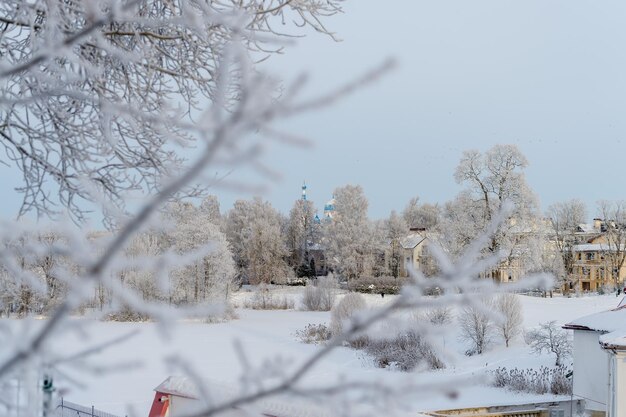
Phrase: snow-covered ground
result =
(269, 335)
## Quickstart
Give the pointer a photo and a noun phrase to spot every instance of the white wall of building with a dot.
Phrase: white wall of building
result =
(591, 370)
(617, 379)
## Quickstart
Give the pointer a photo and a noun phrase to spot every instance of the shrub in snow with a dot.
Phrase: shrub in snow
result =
(376, 285)
(550, 338)
(345, 310)
(229, 313)
(126, 313)
(263, 299)
(439, 316)
(404, 352)
(544, 380)
(320, 297)
(314, 333)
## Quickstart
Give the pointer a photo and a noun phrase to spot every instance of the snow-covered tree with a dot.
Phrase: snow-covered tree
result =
(98, 99)
(477, 327)
(210, 207)
(348, 245)
(458, 226)
(301, 232)
(254, 229)
(146, 245)
(614, 215)
(509, 324)
(411, 212)
(421, 216)
(552, 339)
(565, 217)
(397, 229)
(105, 91)
(209, 274)
(494, 178)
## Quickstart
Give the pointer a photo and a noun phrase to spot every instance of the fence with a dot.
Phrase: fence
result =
(68, 409)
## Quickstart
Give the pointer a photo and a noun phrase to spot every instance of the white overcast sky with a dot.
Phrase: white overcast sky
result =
(548, 76)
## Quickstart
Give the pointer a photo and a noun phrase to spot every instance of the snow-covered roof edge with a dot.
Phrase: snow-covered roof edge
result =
(605, 321)
(179, 386)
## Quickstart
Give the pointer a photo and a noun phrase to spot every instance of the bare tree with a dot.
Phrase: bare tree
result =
(494, 178)
(476, 327)
(509, 325)
(550, 338)
(565, 217)
(614, 215)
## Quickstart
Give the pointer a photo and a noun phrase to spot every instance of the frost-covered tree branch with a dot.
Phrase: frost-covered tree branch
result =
(81, 84)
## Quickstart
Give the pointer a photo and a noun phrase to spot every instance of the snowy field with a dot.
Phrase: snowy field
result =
(142, 361)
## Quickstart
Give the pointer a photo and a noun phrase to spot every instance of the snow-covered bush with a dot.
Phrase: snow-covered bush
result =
(439, 316)
(320, 297)
(376, 285)
(545, 380)
(349, 305)
(404, 352)
(552, 339)
(264, 299)
(127, 314)
(314, 333)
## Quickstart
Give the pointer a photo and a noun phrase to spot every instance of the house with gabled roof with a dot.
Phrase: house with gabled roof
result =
(413, 253)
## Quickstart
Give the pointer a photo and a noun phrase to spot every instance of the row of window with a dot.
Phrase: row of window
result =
(589, 256)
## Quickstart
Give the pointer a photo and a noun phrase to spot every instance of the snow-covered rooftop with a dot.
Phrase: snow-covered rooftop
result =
(411, 241)
(604, 322)
(586, 228)
(593, 247)
(614, 340)
(611, 323)
(277, 407)
(179, 386)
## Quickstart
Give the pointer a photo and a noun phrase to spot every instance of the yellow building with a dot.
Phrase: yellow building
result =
(412, 253)
(594, 265)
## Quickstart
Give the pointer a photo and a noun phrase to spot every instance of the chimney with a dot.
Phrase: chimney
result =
(597, 224)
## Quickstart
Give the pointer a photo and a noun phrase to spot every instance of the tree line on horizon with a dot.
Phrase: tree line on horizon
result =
(254, 243)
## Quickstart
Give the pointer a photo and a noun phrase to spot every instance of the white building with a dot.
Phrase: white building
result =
(600, 361)
(615, 345)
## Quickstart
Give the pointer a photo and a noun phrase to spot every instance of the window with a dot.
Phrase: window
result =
(590, 256)
(557, 413)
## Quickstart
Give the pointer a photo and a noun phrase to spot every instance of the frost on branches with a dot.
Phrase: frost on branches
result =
(99, 101)
(99, 96)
